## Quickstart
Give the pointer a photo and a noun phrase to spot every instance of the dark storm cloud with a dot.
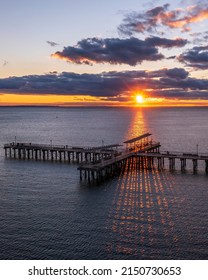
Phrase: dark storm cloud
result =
(150, 20)
(130, 51)
(108, 85)
(196, 57)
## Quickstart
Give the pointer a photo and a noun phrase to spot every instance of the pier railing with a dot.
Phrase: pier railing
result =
(106, 148)
(184, 154)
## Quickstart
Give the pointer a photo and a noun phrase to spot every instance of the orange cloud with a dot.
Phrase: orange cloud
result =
(162, 16)
(202, 15)
(183, 22)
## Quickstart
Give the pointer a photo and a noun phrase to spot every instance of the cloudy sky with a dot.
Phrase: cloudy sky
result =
(63, 52)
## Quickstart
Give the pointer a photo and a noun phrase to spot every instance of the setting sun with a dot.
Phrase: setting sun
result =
(139, 99)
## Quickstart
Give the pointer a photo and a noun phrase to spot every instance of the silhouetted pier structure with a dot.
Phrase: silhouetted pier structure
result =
(97, 163)
(158, 159)
(110, 167)
(59, 152)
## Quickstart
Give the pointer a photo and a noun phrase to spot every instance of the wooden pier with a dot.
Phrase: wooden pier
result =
(59, 152)
(158, 159)
(101, 162)
(110, 167)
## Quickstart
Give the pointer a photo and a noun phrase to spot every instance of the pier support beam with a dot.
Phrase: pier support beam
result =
(28, 153)
(149, 163)
(60, 155)
(206, 166)
(19, 153)
(183, 164)
(44, 154)
(195, 165)
(172, 164)
(159, 163)
(36, 154)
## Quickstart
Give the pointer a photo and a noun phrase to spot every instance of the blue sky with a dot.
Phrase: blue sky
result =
(26, 26)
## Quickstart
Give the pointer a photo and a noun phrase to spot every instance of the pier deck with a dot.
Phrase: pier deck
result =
(103, 161)
(59, 152)
(172, 157)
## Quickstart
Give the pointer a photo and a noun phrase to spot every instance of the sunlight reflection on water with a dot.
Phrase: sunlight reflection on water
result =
(46, 213)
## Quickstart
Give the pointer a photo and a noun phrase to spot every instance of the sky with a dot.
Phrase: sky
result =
(104, 53)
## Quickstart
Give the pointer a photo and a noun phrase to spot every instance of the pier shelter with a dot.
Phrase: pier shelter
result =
(138, 143)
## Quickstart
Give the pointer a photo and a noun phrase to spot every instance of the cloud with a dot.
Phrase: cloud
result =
(141, 22)
(166, 43)
(5, 63)
(199, 37)
(205, 35)
(171, 57)
(196, 57)
(193, 14)
(109, 85)
(174, 73)
(181, 94)
(129, 51)
(150, 20)
(52, 44)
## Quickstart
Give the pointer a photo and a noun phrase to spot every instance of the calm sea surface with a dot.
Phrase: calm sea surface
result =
(47, 213)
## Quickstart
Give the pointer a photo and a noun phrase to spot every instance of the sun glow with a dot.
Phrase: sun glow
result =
(139, 99)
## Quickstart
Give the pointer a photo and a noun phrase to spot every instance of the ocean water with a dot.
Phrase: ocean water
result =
(47, 213)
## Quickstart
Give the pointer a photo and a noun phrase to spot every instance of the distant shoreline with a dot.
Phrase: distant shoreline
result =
(101, 107)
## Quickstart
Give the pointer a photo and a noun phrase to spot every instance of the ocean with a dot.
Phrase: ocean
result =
(47, 213)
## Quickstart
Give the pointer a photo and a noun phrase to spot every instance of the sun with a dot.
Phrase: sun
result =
(139, 99)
